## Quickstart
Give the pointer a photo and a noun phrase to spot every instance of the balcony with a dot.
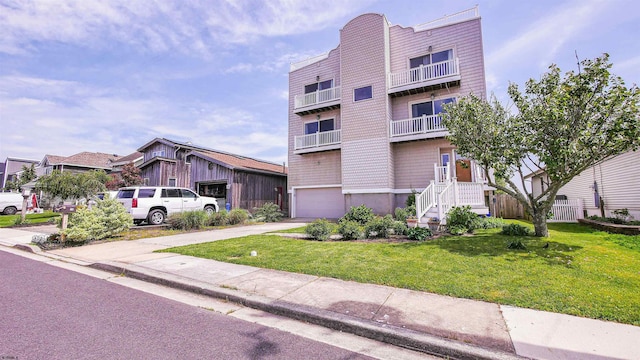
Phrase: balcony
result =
(317, 101)
(424, 78)
(320, 141)
(423, 127)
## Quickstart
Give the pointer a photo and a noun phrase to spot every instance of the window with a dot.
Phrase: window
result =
(431, 58)
(188, 194)
(445, 159)
(327, 84)
(171, 193)
(126, 194)
(157, 154)
(145, 181)
(321, 125)
(146, 193)
(429, 107)
(172, 181)
(362, 93)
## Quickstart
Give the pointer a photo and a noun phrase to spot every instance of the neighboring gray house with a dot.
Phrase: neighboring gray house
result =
(611, 185)
(11, 167)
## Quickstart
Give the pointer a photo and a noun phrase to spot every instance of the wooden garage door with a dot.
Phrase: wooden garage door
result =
(320, 203)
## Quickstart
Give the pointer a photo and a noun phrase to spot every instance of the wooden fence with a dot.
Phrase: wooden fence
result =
(507, 207)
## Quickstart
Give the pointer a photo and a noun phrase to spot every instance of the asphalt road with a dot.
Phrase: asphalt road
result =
(51, 313)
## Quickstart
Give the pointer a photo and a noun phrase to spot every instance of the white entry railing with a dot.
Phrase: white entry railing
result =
(567, 211)
(442, 173)
(417, 125)
(318, 139)
(317, 97)
(424, 73)
(426, 200)
(469, 193)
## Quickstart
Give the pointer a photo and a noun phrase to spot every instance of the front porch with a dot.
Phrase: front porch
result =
(446, 192)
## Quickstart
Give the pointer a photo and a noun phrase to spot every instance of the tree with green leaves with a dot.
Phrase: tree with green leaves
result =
(68, 185)
(563, 126)
(27, 174)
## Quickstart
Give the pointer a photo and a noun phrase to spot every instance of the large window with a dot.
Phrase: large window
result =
(322, 85)
(431, 58)
(319, 126)
(430, 107)
(362, 93)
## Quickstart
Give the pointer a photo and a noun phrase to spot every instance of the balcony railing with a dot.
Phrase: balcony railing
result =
(417, 125)
(317, 97)
(318, 139)
(424, 73)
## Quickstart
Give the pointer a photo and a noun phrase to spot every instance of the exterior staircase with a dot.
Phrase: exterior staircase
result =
(441, 195)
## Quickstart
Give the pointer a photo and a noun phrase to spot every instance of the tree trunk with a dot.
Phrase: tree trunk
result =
(540, 223)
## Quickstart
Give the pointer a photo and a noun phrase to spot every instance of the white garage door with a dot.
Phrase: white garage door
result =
(320, 203)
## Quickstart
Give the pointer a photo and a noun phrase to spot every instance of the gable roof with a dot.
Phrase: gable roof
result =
(52, 159)
(240, 162)
(129, 158)
(84, 159)
(229, 160)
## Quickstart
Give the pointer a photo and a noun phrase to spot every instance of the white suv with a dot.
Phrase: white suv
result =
(154, 203)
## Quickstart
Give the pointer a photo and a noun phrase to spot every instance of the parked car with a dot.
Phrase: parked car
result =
(154, 203)
(10, 203)
(112, 194)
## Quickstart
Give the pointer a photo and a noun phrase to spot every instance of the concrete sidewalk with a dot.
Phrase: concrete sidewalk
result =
(458, 328)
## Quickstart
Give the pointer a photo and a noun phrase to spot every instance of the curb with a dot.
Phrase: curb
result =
(400, 337)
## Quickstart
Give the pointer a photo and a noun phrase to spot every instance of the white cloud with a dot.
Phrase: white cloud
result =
(37, 119)
(245, 20)
(192, 28)
(544, 38)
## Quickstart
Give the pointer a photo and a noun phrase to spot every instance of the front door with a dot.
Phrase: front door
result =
(463, 170)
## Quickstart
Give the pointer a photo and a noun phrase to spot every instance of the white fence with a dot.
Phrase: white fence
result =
(567, 211)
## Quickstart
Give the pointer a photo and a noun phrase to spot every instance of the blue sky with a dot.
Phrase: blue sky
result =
(108, 76)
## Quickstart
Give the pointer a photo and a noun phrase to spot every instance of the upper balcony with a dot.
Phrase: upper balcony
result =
(424, 78)
(320, 100)
(320, 141)
(418, 128)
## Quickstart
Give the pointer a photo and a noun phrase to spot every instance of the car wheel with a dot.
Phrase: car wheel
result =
(156, 217)
(10, 210)
(209, 210)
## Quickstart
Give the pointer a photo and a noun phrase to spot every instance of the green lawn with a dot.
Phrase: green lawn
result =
(45, 217)
(582, 272)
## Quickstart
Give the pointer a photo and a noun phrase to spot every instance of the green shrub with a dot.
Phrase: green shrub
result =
(268, 212)
(107, 218)
(238, 216)
(411, 200)
(456, 229)
(491, 223)
(462, 217)
(350, 230)
(220, 218)
(418, 233)
(360, 214)
(18, 221)
(187, 220)
(400, 227)
(379, 227)
(320, 229)
(401, 214)
(515, 230)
